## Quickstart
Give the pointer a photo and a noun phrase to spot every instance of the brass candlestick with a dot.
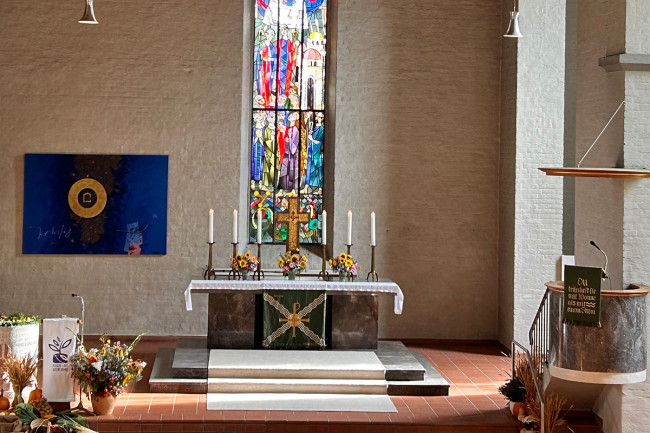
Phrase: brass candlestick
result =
(209, 270)
(323, 274)
(349, 248)
(259, 273)
(372, 275)
(233, 274)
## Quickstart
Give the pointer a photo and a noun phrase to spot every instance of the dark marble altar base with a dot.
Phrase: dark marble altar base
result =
(234, 321)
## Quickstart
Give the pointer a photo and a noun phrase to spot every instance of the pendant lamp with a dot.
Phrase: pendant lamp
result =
(513, 27)
(89, 14)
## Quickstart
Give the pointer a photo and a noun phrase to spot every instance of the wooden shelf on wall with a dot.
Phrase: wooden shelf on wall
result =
(615, 173)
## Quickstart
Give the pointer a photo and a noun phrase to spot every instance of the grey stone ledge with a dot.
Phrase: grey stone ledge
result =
(625, 62)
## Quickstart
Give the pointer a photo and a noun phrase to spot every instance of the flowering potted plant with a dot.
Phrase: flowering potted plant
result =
(245, 264)
(105, 371)
(292, 264)
(345, 265)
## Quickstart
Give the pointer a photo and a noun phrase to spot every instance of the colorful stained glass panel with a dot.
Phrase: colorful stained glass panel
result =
(287, 133)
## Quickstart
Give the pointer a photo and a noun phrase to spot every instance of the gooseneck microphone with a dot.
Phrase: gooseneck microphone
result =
(598, 248)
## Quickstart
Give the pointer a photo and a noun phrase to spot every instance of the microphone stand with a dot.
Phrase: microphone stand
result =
(79, 408)
(605, 274)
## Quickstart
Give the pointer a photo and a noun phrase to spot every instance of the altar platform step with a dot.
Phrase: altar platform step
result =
(185, 369)
(296, 386)
(295, 364)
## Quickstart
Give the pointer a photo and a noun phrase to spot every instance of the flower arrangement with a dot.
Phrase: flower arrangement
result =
(292, 263)
(244, 263)
(345, 264)
(18, 319)
(107, 369)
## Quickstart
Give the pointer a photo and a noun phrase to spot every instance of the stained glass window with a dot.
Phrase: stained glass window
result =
(287, 140)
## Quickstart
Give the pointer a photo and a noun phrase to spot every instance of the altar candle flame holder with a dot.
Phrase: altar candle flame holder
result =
(323, 274)
(233, 274)
(372, 275)
(209, 270)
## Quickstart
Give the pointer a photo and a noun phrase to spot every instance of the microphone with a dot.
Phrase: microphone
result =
(598, 248)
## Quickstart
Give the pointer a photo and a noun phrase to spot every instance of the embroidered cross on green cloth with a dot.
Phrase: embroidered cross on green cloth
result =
(294, 319)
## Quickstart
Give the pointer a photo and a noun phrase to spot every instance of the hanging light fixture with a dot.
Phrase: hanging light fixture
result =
(89, 14)
(513, 27)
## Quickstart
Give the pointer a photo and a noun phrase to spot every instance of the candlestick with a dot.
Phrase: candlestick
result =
(259, 273)
(372, 275)
(209, 271)
(259, 226)
(233, 274)
(324, 229)
(234, 227)
(211, 227)
(372, 229)
(323, 273)
(349, 249)
(349, 227)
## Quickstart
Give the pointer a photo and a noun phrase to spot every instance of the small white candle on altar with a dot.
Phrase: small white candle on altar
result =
(372, 229)
(234, 226)
(211, 227)
(349, 227)
(259, 226)
(324, 229)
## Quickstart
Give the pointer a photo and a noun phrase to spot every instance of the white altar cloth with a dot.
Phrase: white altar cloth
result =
(330, 287)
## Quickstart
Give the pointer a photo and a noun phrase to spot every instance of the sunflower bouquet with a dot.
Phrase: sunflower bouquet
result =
(345, 265)
(292, 264)
(244, 262)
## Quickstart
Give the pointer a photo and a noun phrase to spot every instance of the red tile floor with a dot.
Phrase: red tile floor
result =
(474, 371)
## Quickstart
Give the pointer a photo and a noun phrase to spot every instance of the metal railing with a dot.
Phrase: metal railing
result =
(539, 334)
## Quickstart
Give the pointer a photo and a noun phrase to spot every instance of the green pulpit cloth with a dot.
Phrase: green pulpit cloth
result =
(294, 319)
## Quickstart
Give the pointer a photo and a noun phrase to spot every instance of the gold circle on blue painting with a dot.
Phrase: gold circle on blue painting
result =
(87, 198)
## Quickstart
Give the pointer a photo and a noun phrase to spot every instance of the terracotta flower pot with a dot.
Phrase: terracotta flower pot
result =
(103, 405)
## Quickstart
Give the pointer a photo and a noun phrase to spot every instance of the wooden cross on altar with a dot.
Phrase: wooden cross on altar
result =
(293, 218)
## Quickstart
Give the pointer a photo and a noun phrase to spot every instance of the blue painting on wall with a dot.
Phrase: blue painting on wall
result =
(95, 204)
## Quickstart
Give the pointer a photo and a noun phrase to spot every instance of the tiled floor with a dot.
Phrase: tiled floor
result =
(473, 405)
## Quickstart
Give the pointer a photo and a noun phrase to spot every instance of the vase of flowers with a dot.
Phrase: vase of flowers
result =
(345, 266)
(104, 372)
(292, 264)
(245, 264)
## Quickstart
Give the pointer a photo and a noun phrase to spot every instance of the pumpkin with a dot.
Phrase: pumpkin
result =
(4, 401)
(35, 396)
(518, 407)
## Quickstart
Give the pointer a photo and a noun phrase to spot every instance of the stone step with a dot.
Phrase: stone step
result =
(163, 377)
(400, 364)
(300, 386)
(431, 384)
(295, 364)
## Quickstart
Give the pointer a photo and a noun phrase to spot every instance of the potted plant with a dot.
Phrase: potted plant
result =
(345, 265)
(105, 371)
(20, 335)
(292, 264)
(515, 392)
(245, 264)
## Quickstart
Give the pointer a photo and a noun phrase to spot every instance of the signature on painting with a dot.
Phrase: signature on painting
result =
(55, 232)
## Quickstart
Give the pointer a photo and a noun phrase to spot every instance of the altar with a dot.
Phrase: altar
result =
(235, 309)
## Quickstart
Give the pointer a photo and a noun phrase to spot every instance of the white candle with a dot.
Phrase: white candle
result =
(324, 229)
(259, 226)
(234, 226)
(211, 227)
(372, 229)
(349, 227)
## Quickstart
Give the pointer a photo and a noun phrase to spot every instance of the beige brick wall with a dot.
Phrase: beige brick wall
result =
(417, 142)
